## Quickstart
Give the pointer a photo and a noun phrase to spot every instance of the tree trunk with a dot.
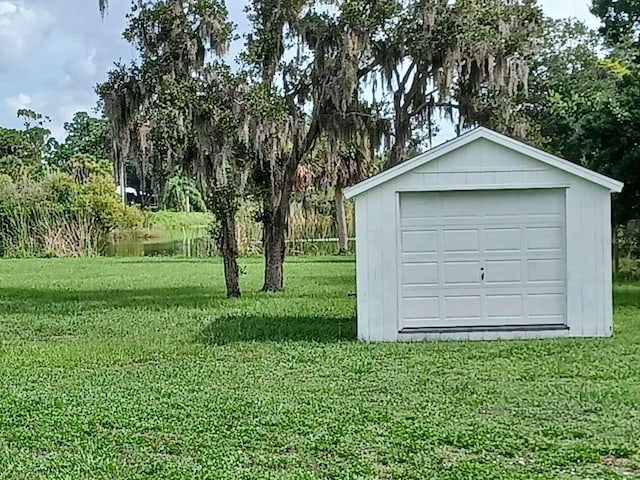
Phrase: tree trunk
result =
(161, 192)
(229, 250)
(274, 241)
(341, 220)
(123, 182)
(143, 186)
(402, 132)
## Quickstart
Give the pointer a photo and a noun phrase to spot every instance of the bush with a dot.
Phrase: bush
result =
(59, 216)
(629, 269)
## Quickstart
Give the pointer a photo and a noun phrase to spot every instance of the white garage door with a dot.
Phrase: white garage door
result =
(483, 259)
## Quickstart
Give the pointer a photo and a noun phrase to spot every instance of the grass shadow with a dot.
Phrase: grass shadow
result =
(61, 301)
(229, 329)
(626, 294)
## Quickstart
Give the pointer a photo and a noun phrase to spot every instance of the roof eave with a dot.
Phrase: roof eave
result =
(481, 132)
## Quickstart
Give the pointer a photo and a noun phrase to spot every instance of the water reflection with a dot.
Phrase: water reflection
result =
(189, 247)
(204, 247)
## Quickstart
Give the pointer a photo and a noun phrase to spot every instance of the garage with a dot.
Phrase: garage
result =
(483, 237)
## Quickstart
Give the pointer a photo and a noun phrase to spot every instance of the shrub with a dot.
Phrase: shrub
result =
(61, 215)
(629, 269)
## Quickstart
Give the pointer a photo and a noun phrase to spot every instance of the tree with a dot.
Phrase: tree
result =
(415, 49)
(86, 135)
(17, 153)
(164, 110)
(84, 168)
(23, 151)
(569, 81)
(582, 104)
(148, 104)
(222, 121)
(620, 23)
(317, 93)
(441, 56)
(37, 134)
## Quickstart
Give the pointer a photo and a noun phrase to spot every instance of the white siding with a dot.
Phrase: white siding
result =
(363, 287)
(485, 165)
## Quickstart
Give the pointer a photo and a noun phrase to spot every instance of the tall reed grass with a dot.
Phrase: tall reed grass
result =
(27, 230)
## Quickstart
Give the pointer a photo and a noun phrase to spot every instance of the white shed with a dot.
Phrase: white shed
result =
(484, 237)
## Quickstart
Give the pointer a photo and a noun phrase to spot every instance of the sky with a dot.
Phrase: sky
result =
(54, 52)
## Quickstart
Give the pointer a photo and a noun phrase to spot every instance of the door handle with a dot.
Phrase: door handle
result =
(482, 276)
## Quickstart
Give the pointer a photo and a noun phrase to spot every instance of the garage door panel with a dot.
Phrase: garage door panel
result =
(504, 306)
(545, 239)
(461, 240)
(546, 303)
(456, 273)
(413, 206)
(503, 271)
(462, 307)
(420, 273)
(420, 241)
(502, 239)
(546, 270)
(542, 202)
(458, 207)
(493, 207)
(422, 308)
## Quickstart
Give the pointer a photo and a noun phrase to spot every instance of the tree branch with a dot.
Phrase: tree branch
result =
(364, 71)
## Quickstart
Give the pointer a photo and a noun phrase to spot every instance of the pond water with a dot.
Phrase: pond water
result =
(190, 247)
(204, 247)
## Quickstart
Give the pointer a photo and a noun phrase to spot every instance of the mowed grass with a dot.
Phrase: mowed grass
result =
(141, 369)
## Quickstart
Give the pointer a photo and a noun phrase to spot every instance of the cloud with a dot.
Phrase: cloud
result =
(21, 30)
(570, 8)
(82, 66)
(22, 100)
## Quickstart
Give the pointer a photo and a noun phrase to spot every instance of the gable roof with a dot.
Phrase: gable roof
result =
(471, 136)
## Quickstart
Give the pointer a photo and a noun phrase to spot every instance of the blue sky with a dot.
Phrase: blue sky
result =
(53, 52)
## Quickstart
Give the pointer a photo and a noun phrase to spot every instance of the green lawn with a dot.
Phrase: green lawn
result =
(140, 369)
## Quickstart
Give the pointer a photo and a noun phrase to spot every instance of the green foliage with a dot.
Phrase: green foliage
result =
(584, 108)
(611, 145)
(142, 369)
(83, 168)
(629, 269)
(59, 216)
(86, 135)
(183, 195)
(17, 154)
(171, 221)
(568, 81)
(37, 134)
(621, 21)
